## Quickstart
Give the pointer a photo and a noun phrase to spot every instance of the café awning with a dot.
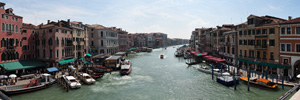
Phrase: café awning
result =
(25, 64)
(52, 69)
(66, 61)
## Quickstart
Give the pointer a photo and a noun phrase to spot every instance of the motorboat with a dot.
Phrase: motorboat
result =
(42, 82)
(86, 78)
(126, 68)
(72, 82)
(161, 56)
(216, 71)
(226, 80)
(260, 82)
(178, 54)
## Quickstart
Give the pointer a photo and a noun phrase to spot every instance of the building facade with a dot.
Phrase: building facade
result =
(103, 39)
(11, 38)
(54, 42)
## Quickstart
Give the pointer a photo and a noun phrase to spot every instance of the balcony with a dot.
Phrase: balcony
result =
(261, 47)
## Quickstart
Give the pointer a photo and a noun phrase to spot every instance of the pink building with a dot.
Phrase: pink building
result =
(11, 35)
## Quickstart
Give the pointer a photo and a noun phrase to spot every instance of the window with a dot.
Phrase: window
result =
(44, 31)
(258, 31)
(62, 42)
(258, 55)
(50, 53)
(17, 19)
(2, 16)
(245, 33)
(258, 43)
(43, 41)
(50, 41)
(13, 28)
(264, 55)
(6, 17)
(297, 47)
(240, 52)
(285, 61)
(272, 31)
(240, 33)
(3, 27)
(253, 32)
(249, 32)
(271, 55)
(245, 42)
(288, 30)
(283, 30)
(62, 52)
(92, 43)
(297, 30)
(288, 47)
(50, 30)
(282, 47)
(264, 31)
(271, 42)
(17, 29)
(57, 41)
(6, 27)
(56, 30)
(24, 57)
(44, 53)
(12, 18)
(245, 55)
(57, 53)
(33, 47)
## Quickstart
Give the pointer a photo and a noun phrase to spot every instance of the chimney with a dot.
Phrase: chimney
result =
(48, 21)
(290, 17)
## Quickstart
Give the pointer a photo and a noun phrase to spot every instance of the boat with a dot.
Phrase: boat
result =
(126, 68)
(161, 56)
(149, 49)
(260, 82)
(73, 83)
(191, 63)
(86, 78)
(216, 71)
(226, 80)
(43, 82)
(178, 54)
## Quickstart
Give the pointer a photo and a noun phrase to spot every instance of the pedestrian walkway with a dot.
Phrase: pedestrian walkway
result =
(243, 73)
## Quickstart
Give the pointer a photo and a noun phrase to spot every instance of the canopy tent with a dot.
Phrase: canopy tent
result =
(25, 64)
(263, 63)
(66, 61)
(88, 55)
(52, 69)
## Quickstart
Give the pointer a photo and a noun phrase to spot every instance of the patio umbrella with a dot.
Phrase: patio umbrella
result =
(12, 76)
(3, 76)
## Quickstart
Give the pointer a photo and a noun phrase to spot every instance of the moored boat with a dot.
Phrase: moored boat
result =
(72, 82)
(260, 82)
(126, 68)
(216, 71)
(86, 78)
(43, 82)
(226, 80)
(178, 54)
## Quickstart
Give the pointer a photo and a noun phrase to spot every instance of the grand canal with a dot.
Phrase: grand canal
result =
(156, 79)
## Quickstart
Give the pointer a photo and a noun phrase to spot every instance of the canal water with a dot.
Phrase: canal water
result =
(153, 78)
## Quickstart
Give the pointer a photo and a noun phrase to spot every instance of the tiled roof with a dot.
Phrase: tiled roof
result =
(97, 26)
(295, 20)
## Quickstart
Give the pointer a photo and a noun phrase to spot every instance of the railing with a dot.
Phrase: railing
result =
(260, 47)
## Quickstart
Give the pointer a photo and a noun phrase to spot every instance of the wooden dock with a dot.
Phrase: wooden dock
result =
(62, 82)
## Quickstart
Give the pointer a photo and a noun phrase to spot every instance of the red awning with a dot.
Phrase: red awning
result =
(214, 59)
(208, 57)
(188, 48)
(193, 52)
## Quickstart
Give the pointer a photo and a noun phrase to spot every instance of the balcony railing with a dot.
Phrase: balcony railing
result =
(260, 47)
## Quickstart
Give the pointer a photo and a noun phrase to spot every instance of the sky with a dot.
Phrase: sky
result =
(177, 18)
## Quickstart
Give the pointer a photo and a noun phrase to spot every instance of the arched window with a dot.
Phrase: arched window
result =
(43, 41)
(3, 56)
(57, 41)
(50, 41)
(17, 29)
(3, 27)
(8, 56)
(17, 55)
(62, 41)
(3, 42)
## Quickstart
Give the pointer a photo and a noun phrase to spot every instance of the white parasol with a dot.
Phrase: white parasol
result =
(12, 76)
(3, 76)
